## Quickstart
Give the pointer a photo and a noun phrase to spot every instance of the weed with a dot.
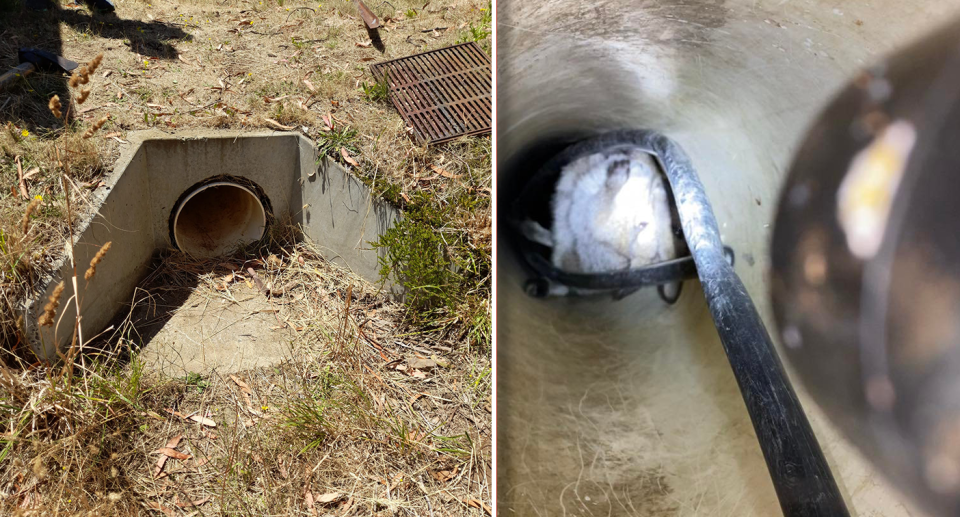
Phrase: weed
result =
(481, 31)
(411, 13)
(196, 381)
(447, 279)
(331, 141)
(377, 91)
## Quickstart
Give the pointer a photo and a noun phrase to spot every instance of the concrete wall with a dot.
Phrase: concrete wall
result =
(341, 215)
(335, 210)
(176, 164)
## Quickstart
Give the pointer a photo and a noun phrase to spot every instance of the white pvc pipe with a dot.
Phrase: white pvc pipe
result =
(217, 218)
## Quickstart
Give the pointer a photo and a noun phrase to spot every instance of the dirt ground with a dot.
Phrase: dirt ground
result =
(368, 413)
(361, 417)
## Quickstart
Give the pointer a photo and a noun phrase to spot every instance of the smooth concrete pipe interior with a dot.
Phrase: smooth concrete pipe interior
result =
(207, 192)
(630, 407)
(216, 218)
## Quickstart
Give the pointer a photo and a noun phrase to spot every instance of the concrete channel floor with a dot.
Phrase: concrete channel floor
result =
(194, 332)
(630, 407)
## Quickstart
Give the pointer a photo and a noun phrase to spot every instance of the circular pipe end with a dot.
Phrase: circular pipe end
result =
(217, 218)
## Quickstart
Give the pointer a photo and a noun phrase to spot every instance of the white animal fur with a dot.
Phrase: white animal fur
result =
(611, 212)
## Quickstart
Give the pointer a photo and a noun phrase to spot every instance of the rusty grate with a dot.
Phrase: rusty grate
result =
(441, 94)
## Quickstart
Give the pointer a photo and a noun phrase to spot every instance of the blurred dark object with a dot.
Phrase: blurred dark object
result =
(866, 267)
(369, 19)
(100, 6)
(31, 60)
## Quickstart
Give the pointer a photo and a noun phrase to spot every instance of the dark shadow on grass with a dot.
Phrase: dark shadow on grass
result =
(22, 27)
(375, 40)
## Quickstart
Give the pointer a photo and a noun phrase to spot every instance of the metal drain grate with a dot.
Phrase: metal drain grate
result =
(442, 94)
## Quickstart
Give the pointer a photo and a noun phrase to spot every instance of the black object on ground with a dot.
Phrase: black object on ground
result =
(32, 60)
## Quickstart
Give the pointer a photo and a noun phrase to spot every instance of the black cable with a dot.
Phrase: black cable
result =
(801, 477)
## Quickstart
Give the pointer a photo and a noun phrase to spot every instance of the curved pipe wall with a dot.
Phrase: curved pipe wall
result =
(216, 218)
(630, 407)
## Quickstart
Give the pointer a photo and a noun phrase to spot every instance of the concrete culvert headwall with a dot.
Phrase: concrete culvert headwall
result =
(216, 218)
(630, 407)
(206, 193)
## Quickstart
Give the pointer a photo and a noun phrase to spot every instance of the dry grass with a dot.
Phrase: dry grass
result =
(350, 413)
(347, 414)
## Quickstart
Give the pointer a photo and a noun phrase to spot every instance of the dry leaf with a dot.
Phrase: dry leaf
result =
(418, 374)
(156, 506)
(161, 461)
(421, 363)
(348, 158)
(203, 421)
(440, 361)
(175, 454)
(444, 173)
(274, 124)
(327, 121)
(243, 386)
(364, 45)
(329, 498)
(309, 500)
(31, 173)
(309, 85)
(473, 502)
(445, 475)
(192, 503)
(23, 186)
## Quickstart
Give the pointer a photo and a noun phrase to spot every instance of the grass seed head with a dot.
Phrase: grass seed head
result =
(84, 93)
(25, 223)
(55, 106)
(96, 127)
(50, 310)
(94, 63)
(92, 271)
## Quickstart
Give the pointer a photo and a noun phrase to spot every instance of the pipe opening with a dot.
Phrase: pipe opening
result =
(599, 215)
(217, 218)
